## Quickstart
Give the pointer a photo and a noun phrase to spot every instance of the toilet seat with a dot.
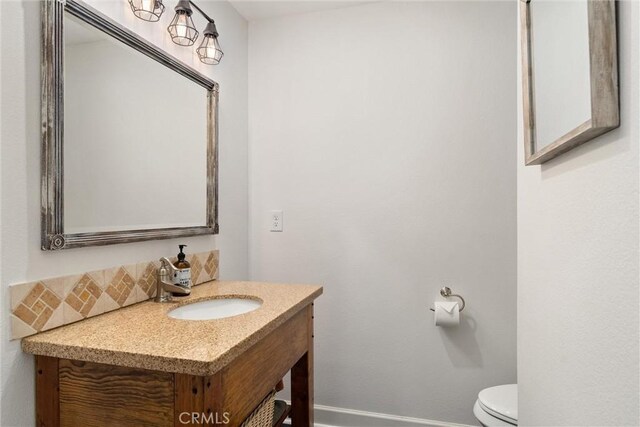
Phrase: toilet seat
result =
(488, 420)
(497, 406)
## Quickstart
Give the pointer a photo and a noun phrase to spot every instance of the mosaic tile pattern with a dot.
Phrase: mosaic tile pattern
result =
(84, 295)
(37, 306)
(46, 304)
(120, 285)
(211, 264)
(81, 296)
(148, 278)
(196, 269)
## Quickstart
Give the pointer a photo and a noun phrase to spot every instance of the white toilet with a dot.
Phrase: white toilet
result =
(497, 406)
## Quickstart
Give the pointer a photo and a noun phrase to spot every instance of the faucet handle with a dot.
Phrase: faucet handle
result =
(167, 263)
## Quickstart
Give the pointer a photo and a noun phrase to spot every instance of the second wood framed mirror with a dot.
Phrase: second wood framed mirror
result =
(569, 74)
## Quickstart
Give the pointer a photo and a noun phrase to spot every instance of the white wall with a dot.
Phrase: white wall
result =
(578, 270)
(386, 133)
(22, 258)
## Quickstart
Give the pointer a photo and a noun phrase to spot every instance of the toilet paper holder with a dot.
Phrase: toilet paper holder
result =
(446, 292)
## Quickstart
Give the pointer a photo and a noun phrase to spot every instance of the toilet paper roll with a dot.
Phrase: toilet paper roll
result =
(446, 313)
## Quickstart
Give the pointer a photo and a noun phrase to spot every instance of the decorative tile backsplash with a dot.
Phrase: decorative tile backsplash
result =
(83, 294)
(47, 304)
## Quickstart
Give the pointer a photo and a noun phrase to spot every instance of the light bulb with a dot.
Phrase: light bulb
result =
(209, 50)
(147, 10)
(182, 29)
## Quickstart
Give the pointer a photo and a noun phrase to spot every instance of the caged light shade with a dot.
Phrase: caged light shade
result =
(147, 10)
(209, 51)
(182, 29)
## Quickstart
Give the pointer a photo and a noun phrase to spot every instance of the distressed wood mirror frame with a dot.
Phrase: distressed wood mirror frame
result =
(603, 60)
(52, 167)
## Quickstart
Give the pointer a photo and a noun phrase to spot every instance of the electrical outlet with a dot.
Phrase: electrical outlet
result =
(275, 218)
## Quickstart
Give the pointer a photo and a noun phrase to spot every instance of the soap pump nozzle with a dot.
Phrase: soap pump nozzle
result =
(181, 255)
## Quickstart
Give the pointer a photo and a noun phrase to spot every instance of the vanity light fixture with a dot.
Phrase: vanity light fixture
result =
(147, 10)
(182, 29)
(209, 50)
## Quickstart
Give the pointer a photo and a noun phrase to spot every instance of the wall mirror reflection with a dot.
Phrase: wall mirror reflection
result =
(569, 73)
(139, 129)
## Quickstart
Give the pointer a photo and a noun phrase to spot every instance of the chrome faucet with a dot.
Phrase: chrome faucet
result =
(165, 287)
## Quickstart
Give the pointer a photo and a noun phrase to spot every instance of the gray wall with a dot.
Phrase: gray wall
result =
(386, 133)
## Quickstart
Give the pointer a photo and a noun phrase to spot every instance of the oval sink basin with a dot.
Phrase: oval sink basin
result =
(215, 309)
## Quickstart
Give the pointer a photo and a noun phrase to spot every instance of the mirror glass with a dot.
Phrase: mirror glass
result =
(560, 67)
(135, 135)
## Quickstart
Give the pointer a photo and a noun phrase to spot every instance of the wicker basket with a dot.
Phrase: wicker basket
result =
(262, 416)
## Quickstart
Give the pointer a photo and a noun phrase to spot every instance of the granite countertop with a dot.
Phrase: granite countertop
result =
(143, 336)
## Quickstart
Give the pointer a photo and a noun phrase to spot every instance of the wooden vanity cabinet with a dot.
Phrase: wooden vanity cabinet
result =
(73, 393)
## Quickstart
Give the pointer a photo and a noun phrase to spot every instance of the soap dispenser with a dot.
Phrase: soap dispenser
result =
(182, 277)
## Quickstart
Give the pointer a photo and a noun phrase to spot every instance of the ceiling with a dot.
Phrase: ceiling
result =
(253, 10)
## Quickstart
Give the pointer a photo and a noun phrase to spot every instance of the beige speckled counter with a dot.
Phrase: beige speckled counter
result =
(143, 336)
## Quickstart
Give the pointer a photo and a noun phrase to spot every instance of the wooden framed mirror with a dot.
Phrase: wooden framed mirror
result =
(129, 135)
(569, 74)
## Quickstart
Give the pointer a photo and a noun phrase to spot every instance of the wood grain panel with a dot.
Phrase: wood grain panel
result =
(240, 387)
(93, 394)
(302, 381)
(189, 398)
(213, 397)
(47, 402)
(603, 51)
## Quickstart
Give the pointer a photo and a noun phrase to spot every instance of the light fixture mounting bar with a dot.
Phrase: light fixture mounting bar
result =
(201, 12)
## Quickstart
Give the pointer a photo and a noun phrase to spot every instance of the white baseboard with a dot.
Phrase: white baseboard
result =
(330, 416)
